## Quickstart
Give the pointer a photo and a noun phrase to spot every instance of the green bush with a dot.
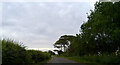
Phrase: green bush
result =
(14, 53)
(38, 56)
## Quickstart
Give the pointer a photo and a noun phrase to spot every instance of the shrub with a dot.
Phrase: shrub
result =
(38, 56)
(14, 53)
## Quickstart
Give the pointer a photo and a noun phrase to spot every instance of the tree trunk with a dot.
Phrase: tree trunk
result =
(61, 47)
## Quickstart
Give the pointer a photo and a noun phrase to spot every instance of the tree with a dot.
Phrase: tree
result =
(101, 33)
(63, 42)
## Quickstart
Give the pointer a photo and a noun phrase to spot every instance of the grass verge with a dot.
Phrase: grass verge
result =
(95, 60)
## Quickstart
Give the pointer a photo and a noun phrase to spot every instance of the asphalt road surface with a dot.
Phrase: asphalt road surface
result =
(62, 61)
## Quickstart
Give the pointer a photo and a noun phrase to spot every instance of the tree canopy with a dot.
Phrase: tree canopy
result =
(100, 34)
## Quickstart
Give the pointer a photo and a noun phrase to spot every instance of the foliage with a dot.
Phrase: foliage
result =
(0, 52)
(38, 56)
(101, 33)
(14, 53)
(51, 52)
(99, 38)
(63, 42)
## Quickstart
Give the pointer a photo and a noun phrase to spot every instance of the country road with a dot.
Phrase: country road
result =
(62, 61)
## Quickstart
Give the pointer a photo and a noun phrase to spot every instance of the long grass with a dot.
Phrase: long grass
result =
(97, 60)
(15, 54)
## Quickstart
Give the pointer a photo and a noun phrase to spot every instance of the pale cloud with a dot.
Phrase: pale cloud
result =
(0, 20)
(39, 25)
(49, 0)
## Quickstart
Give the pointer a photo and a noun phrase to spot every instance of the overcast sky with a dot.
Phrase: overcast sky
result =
(40, 24)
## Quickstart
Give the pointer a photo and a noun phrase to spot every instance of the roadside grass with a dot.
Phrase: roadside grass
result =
(75, 58)
(95, 60)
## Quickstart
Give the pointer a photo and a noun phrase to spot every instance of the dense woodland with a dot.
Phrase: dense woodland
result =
(98, 36)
